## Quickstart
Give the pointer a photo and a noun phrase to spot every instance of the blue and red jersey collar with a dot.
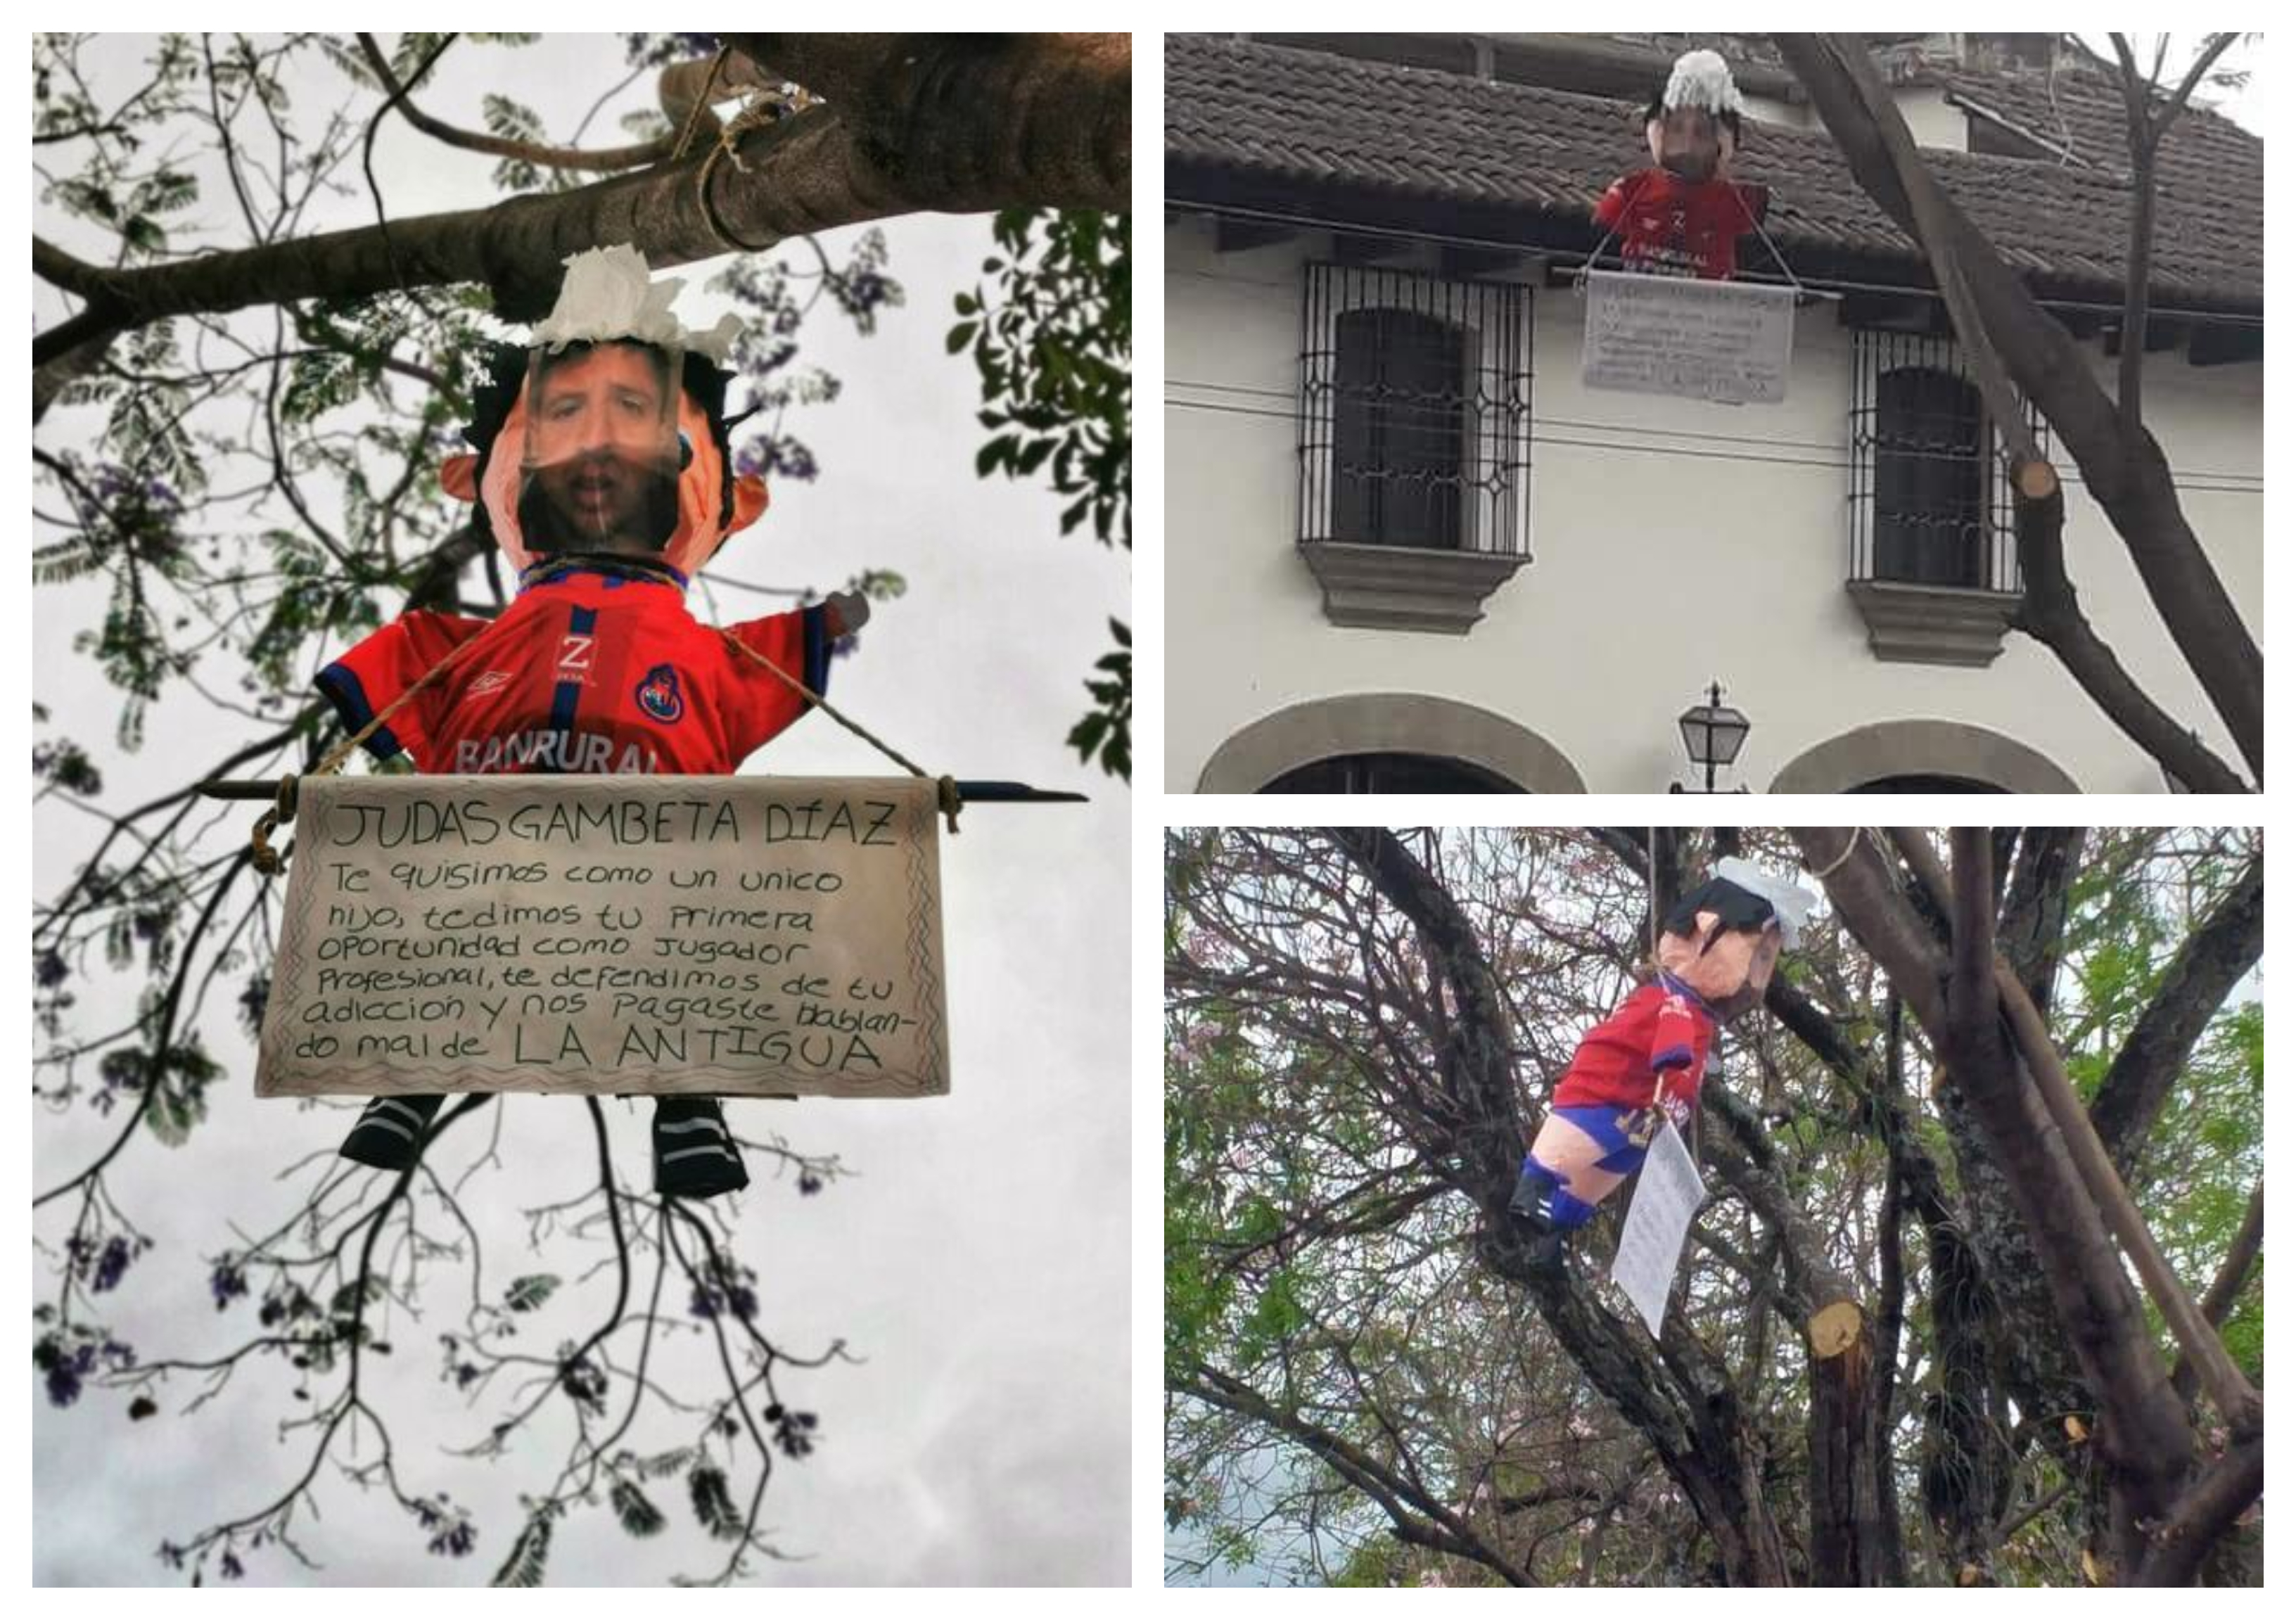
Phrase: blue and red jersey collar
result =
(547, 572)
(1680, 988)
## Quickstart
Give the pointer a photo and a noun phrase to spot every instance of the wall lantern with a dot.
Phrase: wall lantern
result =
(1713, 733)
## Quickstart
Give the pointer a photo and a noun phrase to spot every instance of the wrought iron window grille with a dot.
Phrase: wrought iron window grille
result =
(1415, 411)
(1930, 499)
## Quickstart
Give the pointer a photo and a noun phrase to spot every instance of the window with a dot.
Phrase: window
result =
(1398, 438)
(1930, 499)
(1414, 413)
(1929, 479)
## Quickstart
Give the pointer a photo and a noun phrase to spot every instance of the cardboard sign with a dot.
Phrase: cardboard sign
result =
(1649, 1248)
(724, 936)
(1724, 341)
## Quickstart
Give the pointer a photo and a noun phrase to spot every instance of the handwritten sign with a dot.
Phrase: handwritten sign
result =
(726, 935)
(1649, 1248)
(1724, 341)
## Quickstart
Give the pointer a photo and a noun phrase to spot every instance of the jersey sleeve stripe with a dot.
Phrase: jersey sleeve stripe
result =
(342, 687)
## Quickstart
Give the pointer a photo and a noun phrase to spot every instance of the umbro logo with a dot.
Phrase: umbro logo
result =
(494, 679)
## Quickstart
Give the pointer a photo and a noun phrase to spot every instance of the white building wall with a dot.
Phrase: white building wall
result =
(1675, 542)
(1933, 123)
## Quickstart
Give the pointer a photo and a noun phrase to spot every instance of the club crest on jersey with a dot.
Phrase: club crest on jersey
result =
(658, 696)
(1675, 1005)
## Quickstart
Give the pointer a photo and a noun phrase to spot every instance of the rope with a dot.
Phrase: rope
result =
(700, 103)
(1776, 258)
(1650, 861)
(951, 800)
(265, 859)
(752, 114)
(1840, 859)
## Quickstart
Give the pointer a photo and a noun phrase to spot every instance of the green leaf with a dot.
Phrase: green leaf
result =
(712, 1504)
(961, 334)
(528, 1292)
(523, 1566)
(639, 1516)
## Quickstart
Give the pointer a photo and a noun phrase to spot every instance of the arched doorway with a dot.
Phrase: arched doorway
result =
(1918, 783)
(1389, 773)
(1401, 734)
(1922, 756)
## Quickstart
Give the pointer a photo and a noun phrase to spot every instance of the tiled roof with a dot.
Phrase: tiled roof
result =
(1323, 122)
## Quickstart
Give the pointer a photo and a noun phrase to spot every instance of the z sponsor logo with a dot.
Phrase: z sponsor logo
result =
(574, 656)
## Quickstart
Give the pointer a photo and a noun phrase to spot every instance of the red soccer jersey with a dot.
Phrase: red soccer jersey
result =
(1652, 1048)
(589, 673)
(1668, 225)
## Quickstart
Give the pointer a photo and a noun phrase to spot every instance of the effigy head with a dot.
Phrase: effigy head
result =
(616, 416)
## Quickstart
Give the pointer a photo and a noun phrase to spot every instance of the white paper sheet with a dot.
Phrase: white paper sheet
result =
(1650, 1247)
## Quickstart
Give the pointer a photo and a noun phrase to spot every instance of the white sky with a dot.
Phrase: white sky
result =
(978, 1259)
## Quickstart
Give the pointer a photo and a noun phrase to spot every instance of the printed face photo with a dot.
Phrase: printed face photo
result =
(600, 451)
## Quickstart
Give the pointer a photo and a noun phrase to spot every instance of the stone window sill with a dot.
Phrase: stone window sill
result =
(1929, 624)
(1399, 587)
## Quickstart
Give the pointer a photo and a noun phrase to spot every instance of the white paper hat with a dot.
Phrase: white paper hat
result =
(1792, 903)
(609, 293)
(1701, 78)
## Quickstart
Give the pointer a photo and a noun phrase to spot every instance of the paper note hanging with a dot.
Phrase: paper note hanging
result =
(1724, 342)
(1649, 1248)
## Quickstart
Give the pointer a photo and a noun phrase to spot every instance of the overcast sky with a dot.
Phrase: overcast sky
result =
(976, 1260)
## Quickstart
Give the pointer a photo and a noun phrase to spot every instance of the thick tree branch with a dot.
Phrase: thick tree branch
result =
(2050, 612)
(1014, 121)
(2145, 1437)
(2214, 957)
(2203, 1515)
(2033, 916)
(2227, 1386)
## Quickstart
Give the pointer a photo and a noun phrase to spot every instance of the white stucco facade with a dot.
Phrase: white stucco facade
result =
(1673, 542)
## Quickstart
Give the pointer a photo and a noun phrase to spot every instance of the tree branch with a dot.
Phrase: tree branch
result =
(2202, 1515)
(1433, 1524)
(604, 160)
(2231, 1277)
(1027, 121)
(2227, 1386)
(2214, 957)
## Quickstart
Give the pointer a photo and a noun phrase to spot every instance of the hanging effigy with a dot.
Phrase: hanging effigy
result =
(1643, 1066)
(1674, 322)
(600, 465)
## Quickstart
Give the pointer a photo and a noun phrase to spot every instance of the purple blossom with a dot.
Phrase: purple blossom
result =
(111, 1266)
(226, 1282)
(793, 1430)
